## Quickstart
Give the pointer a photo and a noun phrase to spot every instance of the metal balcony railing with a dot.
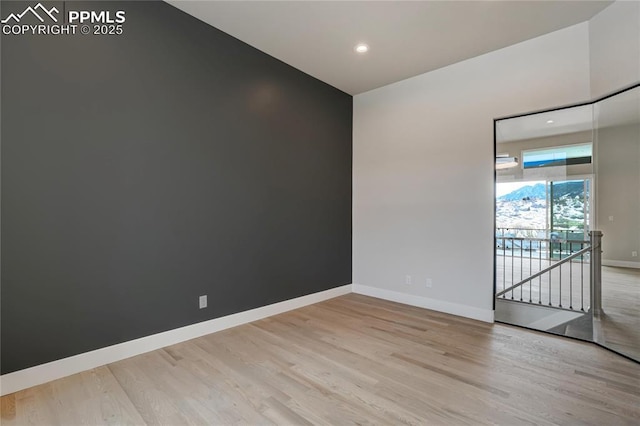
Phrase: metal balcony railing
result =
(556, 272)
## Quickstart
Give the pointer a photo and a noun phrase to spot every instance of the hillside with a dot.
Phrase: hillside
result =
(538, 192)
(526, 208)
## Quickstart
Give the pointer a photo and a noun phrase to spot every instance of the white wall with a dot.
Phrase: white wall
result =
(614, 38)
(618, 193)
(423, 168)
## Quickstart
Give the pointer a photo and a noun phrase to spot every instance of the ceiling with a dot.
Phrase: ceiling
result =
(620, 110)
(548, 123)
(406, 38)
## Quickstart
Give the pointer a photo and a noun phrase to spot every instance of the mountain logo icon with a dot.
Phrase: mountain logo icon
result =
(16, 17)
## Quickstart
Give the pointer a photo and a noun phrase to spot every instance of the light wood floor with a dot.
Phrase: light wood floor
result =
(352, 359)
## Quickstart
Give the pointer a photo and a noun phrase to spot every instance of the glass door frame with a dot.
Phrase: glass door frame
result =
(593, 187)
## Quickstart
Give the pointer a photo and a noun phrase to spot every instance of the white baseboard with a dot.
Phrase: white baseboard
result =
(485, 315)
(23, 379)
(621, 263)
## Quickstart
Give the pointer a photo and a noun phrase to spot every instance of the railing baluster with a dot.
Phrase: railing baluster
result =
(504, 262)
(530, 268)
(521, 272)
(549, 287)
(540, 277)
(550, 276)
(582, 280)
(512, 264)
(560, 286)
(571, 284)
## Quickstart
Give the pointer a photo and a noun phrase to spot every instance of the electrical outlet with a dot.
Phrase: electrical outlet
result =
(429, 283)
(634, 254)
(610, 218)
(407, 279)
(203, 301)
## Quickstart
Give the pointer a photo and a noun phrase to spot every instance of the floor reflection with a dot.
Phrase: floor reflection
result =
(618, 327)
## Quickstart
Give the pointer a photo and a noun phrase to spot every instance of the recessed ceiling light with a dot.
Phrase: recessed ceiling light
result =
(549, 121)
(361, 48)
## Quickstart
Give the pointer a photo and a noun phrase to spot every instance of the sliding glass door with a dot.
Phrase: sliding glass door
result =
(569, 215)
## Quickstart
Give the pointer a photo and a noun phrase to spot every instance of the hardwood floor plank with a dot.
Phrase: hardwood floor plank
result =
(8, 408)
(280, 414)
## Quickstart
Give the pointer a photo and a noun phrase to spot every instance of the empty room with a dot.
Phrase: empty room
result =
(320, 212)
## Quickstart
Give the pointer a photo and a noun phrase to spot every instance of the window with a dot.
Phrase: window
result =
(557, 156)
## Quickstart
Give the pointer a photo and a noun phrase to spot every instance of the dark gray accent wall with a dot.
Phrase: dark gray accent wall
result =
(143, 170)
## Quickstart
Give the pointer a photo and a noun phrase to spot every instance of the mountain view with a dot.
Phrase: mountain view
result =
(526, 207)
(536, 191)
